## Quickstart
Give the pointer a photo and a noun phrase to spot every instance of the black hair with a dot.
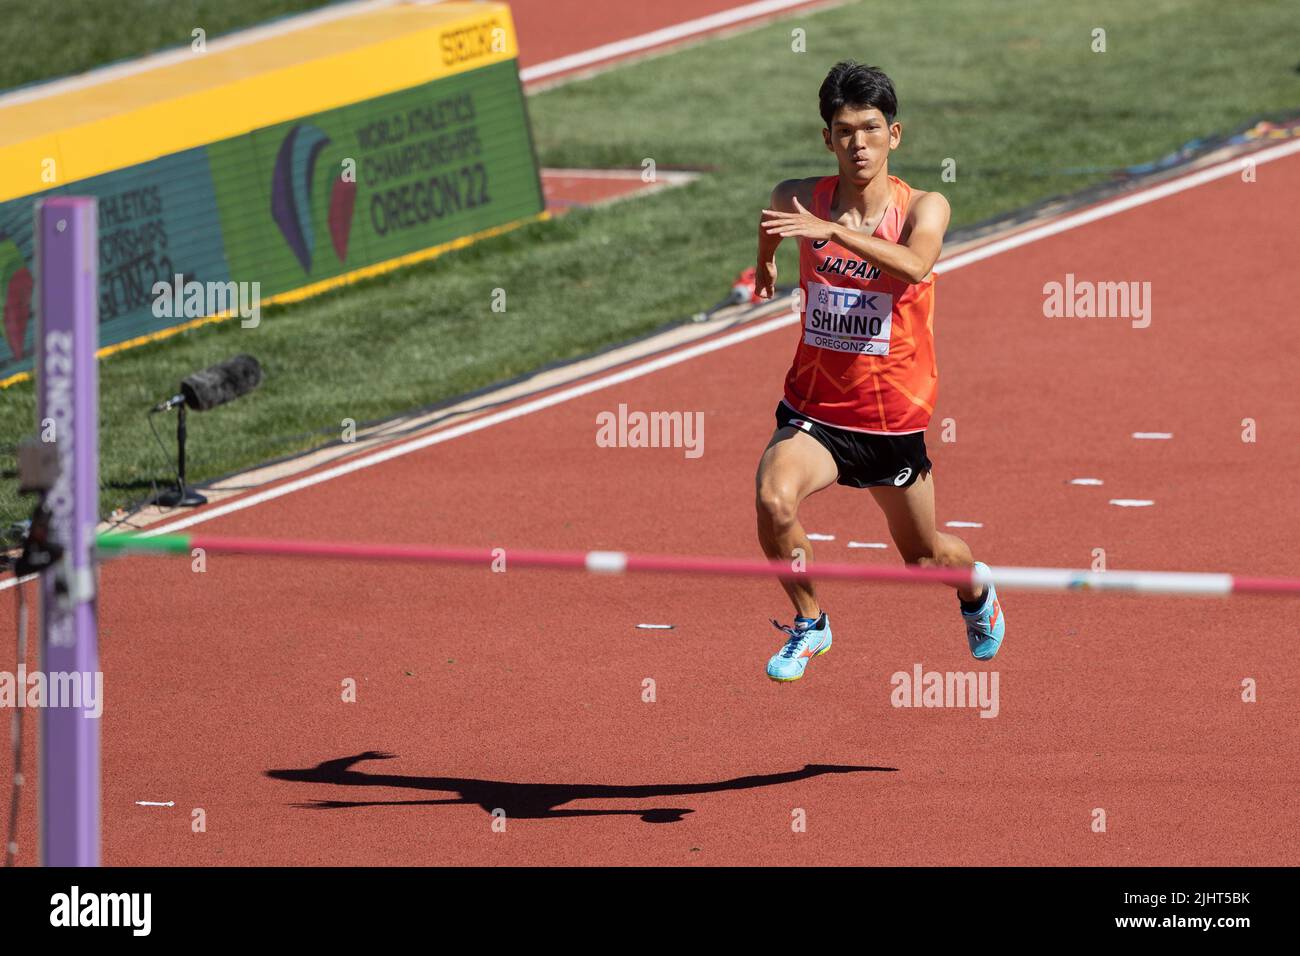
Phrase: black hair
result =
(852, 84)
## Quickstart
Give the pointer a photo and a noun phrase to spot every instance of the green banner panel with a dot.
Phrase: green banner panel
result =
(294, 204)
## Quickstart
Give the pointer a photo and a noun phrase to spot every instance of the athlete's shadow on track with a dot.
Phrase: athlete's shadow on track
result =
(531, 801)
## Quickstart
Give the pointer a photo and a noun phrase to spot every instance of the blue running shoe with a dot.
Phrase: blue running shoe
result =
(986, 627)
(805, 641)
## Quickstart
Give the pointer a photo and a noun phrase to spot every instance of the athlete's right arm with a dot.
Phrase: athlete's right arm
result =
(765, 271)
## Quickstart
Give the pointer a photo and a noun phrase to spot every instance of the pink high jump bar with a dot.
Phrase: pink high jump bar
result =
(617, 562)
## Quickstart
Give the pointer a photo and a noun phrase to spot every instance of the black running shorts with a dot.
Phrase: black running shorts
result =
(864, 460)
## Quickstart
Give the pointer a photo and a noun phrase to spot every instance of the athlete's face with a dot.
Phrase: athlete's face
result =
(861, 139)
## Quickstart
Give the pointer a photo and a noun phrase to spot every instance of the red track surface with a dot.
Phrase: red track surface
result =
(550, 29)
(565, 189)
(523, 690)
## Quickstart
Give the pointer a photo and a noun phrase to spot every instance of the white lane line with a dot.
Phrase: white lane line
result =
(963, 524)
(1086, 481)
(820, 537)
(867, 544)
(673, 176)
(1153, 436)
(655, 627)
(1151, 194)
(1132, 502)
(645, 41)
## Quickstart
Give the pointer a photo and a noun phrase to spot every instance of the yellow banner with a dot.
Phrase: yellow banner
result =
(69, 130)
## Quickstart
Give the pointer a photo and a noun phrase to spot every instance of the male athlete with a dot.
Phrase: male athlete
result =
(863, 384)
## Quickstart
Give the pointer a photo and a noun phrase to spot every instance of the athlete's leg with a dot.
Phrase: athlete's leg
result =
(793, 466)
(910, 513)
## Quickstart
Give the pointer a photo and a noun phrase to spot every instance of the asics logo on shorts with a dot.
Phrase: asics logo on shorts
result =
(901, 478)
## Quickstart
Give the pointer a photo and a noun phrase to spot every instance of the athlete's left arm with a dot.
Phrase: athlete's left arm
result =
(909, 259)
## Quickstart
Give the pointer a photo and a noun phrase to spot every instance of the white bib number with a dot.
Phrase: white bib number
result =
(848, 320)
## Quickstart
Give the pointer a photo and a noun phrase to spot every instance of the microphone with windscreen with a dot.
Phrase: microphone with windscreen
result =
(216, 385)
(219, 384)
(201, 392)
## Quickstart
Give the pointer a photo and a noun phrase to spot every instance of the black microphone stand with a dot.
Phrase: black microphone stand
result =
(180, 496)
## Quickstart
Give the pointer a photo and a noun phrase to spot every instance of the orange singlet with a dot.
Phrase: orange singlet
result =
(866, 358)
